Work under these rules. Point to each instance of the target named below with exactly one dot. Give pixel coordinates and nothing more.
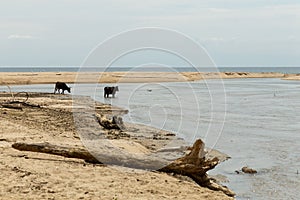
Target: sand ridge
(22, 78)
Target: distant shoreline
(26, 78)
(154, 68)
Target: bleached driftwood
(193, 165)
(68, 152)
(114, 156)
(116, 122)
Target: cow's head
(69, 89)
(116, 88)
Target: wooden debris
(116, 122)
(68, 152)
(193, 165)
(18, 105)
(10, 106)
(25, 104)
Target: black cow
(110, 90)
(61, 86)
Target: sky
(234, 32)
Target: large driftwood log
(109, 154)
(68, 152)
(193, 165)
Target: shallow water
(260, 130)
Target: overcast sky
(234, 32)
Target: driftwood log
(115, 122)
(68, 152)
(10, 106)
(193, 165)
(18, 105)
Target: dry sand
(295, 77)
(29, 175)
(20, 78)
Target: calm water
(291, 70)
(260, 130)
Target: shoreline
(39, 176)
(26, 78)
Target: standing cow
(61, 86)
(110, 90)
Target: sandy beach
(30, 175)
(149, 100)
(21, 78)
(295, 77)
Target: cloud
(20, 37)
